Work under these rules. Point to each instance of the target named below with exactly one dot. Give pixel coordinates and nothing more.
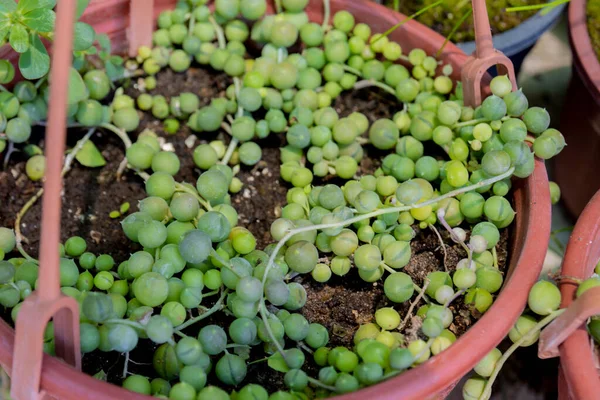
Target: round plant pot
(580, 378)
(577, 164)
(435, 378)
(517, 42)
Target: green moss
(443, 17)
(593, 20)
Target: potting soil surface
(341, 304)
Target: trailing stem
(544, 6)
(371, 82)
(66, 168)
(240, 112)
(487, 391)
(414, 304)
(326, 14)
(218, 306)
(388, 210)
(443, 246)
(219, 32)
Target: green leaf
(19, 38)
(104, 56)
(103, 41)
(40, 20)
(124, 207)
(7, 6)
(117, 60)
(26, 6)
(32, 150)
(81, 6)
(83, 37)
(113, 71)
(277, 363)
(91, 51)
(4, 33)
(35, 62)
(90, 156)
(77, 89)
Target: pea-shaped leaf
(90, 156)
(77, 89)
(277, 362)
(35, 62)
(83, 37)
(40, 20)
(26, 6)
(19, 38)
(8, 6)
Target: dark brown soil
(91, 194)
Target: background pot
(517, 42)
(577, 165)
(578, 368)
(436, 377)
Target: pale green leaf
(35, 62)
(277, 363)
(40, 20)
(113, 71)
(81, 6)
(7, 6)
(91, 51)
(32, 150)
(90, 156)
(26, 6)
(77, 89)
(83, 37)
(19, 38)
(3, 34)
(104, 42)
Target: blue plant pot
(517, 42)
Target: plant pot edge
(579, 378)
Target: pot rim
(529, 238)
(585, 59)
(522, 36)
(582, 253)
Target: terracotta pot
(578, 366)
(436, 377)
(577, 164)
